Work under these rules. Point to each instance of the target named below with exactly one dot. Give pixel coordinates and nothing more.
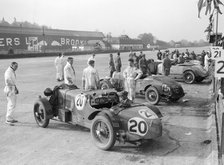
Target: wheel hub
(152, 96)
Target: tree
(209, 4)
(147, 38)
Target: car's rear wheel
(152, 95)
(189, 77)
(105, 84)
(103, 133)
(41, 113)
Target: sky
(166, 19)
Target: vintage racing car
(190, 72)
(102, 112)
(155, 88)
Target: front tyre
(103, 133)
(42, 109)
(152, 95)
(189, 77)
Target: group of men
(175, 57)
(90, 77)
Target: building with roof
(125, 43)
(47, 40)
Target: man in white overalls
(11, 91)
(131, 74)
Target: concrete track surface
(188, 128)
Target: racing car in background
(155, 88)
(190, 71)
(102, 112)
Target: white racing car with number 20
(102, 112)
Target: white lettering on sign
(9, 41)
(67, 41)
(2, 42)
(62, 41)
(137, 125)
(72, 42)
(16, 41)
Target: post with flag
(217, 52)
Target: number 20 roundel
(80, 101)
(137, 125)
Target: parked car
(102, 112)
(190, 72)
(155, 88)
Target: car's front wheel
(41, 110)
(152, 95)
(103, 133)
(189, 77)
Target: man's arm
(139, 72)
(97, 80)
(83, 80)
(9, 79)
(68, 75)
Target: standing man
(59, 67)
(206, 60)
(143, 66)
(111, 65)
(11, 91)
(90, 77)
(69, 72)
(131, 74)
(159, 55)
(91, 58)
(167, 65)
(118, 62)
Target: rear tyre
(103, 133)
(189, 77)
(42, 109)
(152, 95)
(104, 84)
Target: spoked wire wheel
(40, 114)
(103, 133)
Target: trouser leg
(60, 73)
(57, 73)
(131, 89)
(11, 105)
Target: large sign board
(36, 42)
(217, 54)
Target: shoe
(14, 121)
(9, 123)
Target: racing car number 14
(137, 125)
(80, 101)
